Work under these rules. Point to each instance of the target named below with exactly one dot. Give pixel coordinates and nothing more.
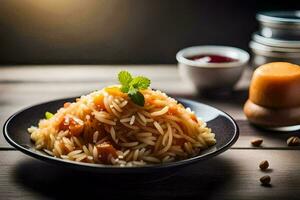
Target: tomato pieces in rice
(104, 150)
(73, 124)
(194, 118)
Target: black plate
(225, 128)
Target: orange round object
(276, 85)
(274, 95)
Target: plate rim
(179, 163)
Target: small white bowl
(212, 75)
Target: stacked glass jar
(278, 38)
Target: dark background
(122, 31)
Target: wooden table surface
(231, 175)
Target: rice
(158, 127)
(129, 144)
(144, 134)
(106, 127)
(103, 120)
(132, 119)
(142, 117)
(95, 136)
(160, 112)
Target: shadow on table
(201, 179)
(235, 97)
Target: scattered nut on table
(265, 180)
(263, 165)
(293, 141)
(257, 142)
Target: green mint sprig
(132, 86)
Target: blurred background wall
(122, 31)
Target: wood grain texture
(271, 139)
(232, 175)
(93, 73)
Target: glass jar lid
(276, 42)
(270, 51)
(284, 19)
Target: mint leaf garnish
(140, 82)
(138, 98)
(132, 86)
(125, 78)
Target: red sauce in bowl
(211, 58)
